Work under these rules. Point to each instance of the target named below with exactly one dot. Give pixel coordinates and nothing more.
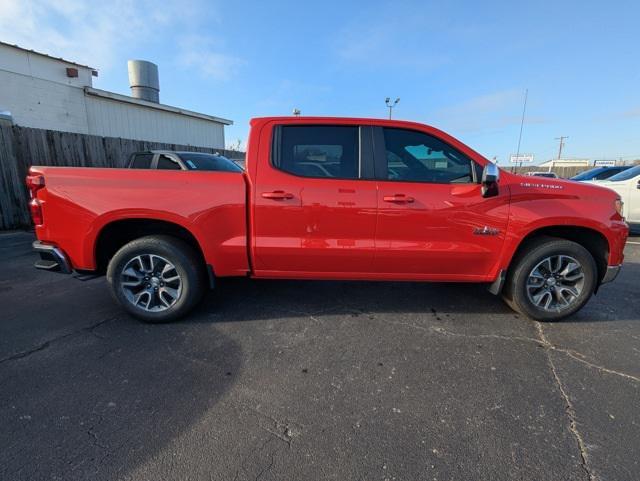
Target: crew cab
(331, 198)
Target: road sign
(521, 158)
(604, 163)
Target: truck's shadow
(247, 300)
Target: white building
(52, 93)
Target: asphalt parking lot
(279, 380)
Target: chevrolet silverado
(331, 198)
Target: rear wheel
(156, 278)
(551, 279)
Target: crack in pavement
(46, 344)
(285, 430)
(269, 466)
(91, 432)
(568, 352)
(542, 341)
(569, 409)
(242, 468)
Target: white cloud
(491, 111)
(205, 55)
(101, 34)
(80, 31)
(387, 44)
(631, 113)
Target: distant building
(565, 163)
(37, 90)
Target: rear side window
(166, 163)
(418, 157)
(141, 161)
(317, 151)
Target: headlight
(619, 206)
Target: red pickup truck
(331, 198)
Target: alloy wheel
(151, 282)
(555, 283)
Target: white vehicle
(551, 175)
(627, 185)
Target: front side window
(317, 151)
(418, 157)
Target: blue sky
(462, 66)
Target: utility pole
(561, 139)
(390, 105)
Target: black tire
(186, 264)
(515, 292)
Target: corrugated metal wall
(109, 118)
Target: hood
(548, 187)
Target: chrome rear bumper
(611, 273)
(52, 258)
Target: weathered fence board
(21, 147)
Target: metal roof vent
(143, 80)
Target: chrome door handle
(277, 195)
(398, 199)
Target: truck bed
(78, 202)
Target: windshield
(200, 161)
(626, 174)
(588, 174)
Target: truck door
(314, 208)
(433, 220)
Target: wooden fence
(21, 147)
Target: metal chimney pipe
(143, 80)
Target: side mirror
(490, 177)
(638, 186)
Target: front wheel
(552, 279)
(156, 278)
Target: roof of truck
(346, 120)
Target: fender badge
(486, 231)
(540, 186)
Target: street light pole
(391, 105)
